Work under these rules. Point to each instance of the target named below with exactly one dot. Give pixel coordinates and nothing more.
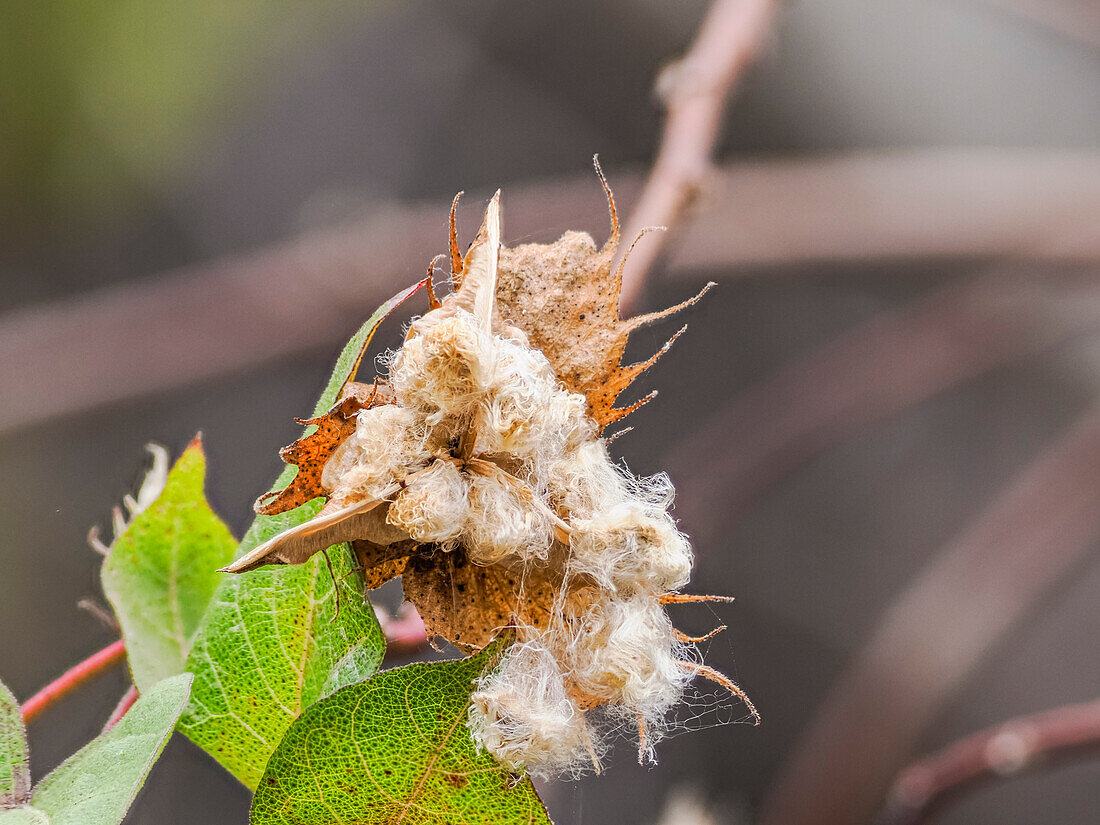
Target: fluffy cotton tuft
(387, 444)
(522, 714)
(632, 548)
(434, 505)
(585, 481)
(501, 525)
(445, 366)
(529, 414)
(624, 652)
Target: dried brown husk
(563, 298)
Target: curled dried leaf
(312, 451)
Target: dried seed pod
(477, 473)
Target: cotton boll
(584, 481)
(522, 714)
(433, 507)
(500, 524)
(625, 652)
(445, 366)
(527, 413)
(629, 548)
(388, 443)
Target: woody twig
(1041, 740)
(694, 91)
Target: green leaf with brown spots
(394, 749)
(24, 815)
(274, 640)
(161, 572)
(97, 784)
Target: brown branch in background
(894, 205)
(1008, 749)
(210, 320)
(936, 633)
(874, 370)
(694, 91)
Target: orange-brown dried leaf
(565, 297)
(468, 604)
(381, 562)
(312, 451)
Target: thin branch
(901, 204)
(210, 320)
(72, 679)
(935, 634)
(694, 91)
(124, 704)
(1006, 750)
(874, 370)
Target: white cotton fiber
(434, 505)
(522, 715)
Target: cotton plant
(475, 466)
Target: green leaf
(161, 573)
(15, 778)
(24, 816)
(271, 643)
(393, 749)
(97, 784)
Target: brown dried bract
(469, 605)
(313, 450)
(565, 297)
(381, 562)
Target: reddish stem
(1005, 750)
(124, 704)
(73, 678)
(404, 633)
(695, 92)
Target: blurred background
(881, 424)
